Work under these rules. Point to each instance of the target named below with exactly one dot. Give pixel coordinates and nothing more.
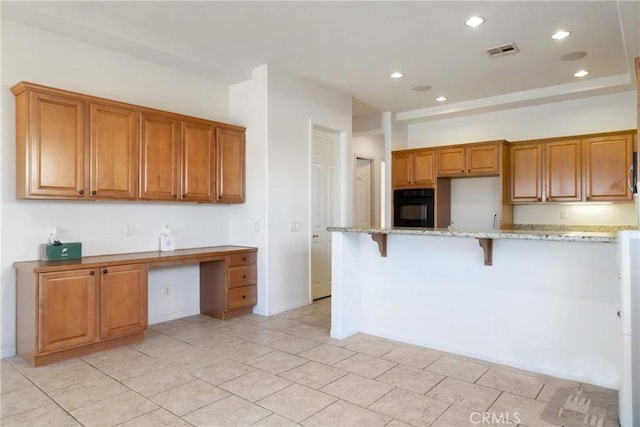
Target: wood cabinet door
(563, 171)
(607, 164)
(230, 165)
(57, 146)
(123, 300)
(159, 158)
(451, 161)
(423, 167)
(68, 310)
(197, 145)
(525, 173)
(113, 152)
(401, 170)
(483, 159)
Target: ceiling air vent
(505, 49)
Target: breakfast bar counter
(546, 302)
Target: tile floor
(281, 370)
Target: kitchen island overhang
(548, 304)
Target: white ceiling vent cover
(505, 49)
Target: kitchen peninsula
(548, 302)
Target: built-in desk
(69, 308)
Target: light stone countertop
(572, 236)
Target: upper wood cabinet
(525, 173)
(414, 168)
(471, 159)
(75, 146)
(563, 171)
(50, 146)
(230, 161)
(581, 168)
(113, 152)
(607, 167)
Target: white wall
(590, 115)
(40, 57)
(548, 307)
(372, 147)
(294, 105)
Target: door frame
(344, 193)
(372, 182)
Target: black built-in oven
(413, 208)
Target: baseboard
(172, 316)
(289, 307)
(7, 352)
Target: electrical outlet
(166, 290)
(563, 212)
(256, 227)
(129, 230)
(52, 230)
(295, 227)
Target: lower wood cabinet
(123, 300)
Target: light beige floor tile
(109, 357)
(132, 368)
(364, 365)
(83, 394)
(275, 420)
(513, 382)
(277, 362)
(326, 339)
(262, 336)
(26, 369)
(244, 351)
(12, 380)
(296, 313)
(221, 371)
(313, 374)
(195, 332)
(296, 402)
(343, 413)
(232, 411)
(188, 397)
(464, 394)
(255, 319)
(255, 385)
(326, 354)
(356, 389)
(316, 319)
(157, 344)
(172, 327)
(491, 364)
(158, 418)
(22, 400)
(188, 359)
(412, 379)
(372, 347)
(413, 356)
(53, 379)
(114, 410)
(551, 386)
(216, 342)
(158, 381)
(293, 345)
(409, 407)
(460, 417)
(306, 331)
(203, 320)
(49, 415)
(235, 329)
(519, 409)
(458, 368)
(279, 324)
(398, 423)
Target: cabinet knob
(244, 276)
(184, 196)
(244, 297)
(81, 192)
(175, 196)
(461, 170)
(469, 171)
(94, 192)
(244, 258)
(539, 199)
(91, 273)
(105, 271)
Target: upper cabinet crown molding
(76, 146)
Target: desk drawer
(242, 297)
(242, 276)
(243, 259)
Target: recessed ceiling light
(422, 88)
(441, 98)
(559, 35)
(396, 75)
(474, 21)
(581, 73)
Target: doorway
(364, 196)
(325, 149)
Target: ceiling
(355, 46)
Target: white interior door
(364, 193)
(324, 207)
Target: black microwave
(414, 208)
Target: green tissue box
(65, 251)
